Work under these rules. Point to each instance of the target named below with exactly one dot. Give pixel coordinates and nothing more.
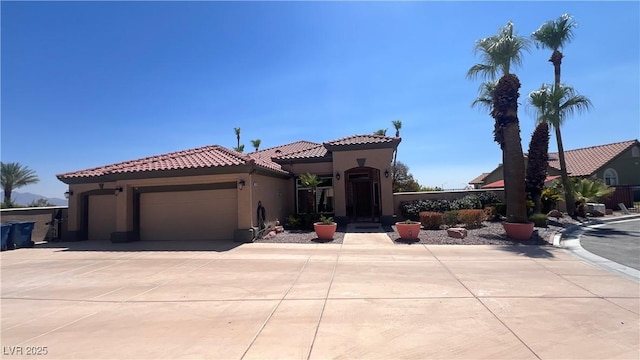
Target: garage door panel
(188, 215)
(102, 217)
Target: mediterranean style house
(212, 192)
(615, 164)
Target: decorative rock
(555, 213)
(458, 233)
(279, 229)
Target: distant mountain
(28, 198)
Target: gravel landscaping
(491, 233)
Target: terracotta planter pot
(408, 231)
(325, 232)
(518, 231)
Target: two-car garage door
(188, 215)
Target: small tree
(311, 181)
(404, 180)
(42, 202)
(381, 132)
(15, 176)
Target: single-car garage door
(102, 216)
(188, 215)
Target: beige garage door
(188, 215)
(102, 217)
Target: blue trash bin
(6, 229)
(21, 233)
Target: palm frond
(554, 34)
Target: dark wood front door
(362, 198)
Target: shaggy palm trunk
(556, 60)
(537, 164)
(507, 134)
(7, 195)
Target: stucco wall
(276, 196)
(627, 167)
(323, 168)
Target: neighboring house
(616, 164)
(213, 192)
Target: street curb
(569, 240)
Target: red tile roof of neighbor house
(316, 152)
(202, 157)
(361, 140)
(500, 183)
(586, 161)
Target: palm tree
(498, 53)
(538, 157)
(15, 176)
(256, 143)
(397, 124)
(554, 35)
(310, 181)
(381, 132)
(237, 131)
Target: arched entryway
(363, 194)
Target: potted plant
(408, 229)
(325, 228)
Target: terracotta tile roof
(362, 139)
(586, 161)
(319, 151)
(500, 183)
(479, 179)
(202, 157)
(283, 150)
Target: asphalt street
(617, 241)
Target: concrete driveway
(366, 300)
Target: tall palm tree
(538, 157)
(256, 143)
(14, 176)
(554, 35)
(397, 124)
(499, 52)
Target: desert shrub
(431, 220)
(309, 219)
(412, 209)
(466, 202)
(450, 217)
(471, 218)
(292, 222)
(501, 208)
(540, 220)
(488, 198)
(491, 213)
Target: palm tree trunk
(505, 112)
(7, 195)
(568, 194)
(556, 60)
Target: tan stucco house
(212, 192)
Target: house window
(610, 177)
(324, 196)
(635, 151)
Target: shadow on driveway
(94, 245)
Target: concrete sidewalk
(315, 301)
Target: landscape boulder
(555, 214)
(458, 233)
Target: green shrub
(540, 220)
(501, 208)
(450, 217)
(487, 198)
(466, 202)
(431, 220)
(293, 222)
(471, 218)
(412, 209)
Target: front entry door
(362, 199)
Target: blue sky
(86, 84)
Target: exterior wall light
(117, 190)
(386, 173)
(241, 184)
(338, 175)
(68, 194)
